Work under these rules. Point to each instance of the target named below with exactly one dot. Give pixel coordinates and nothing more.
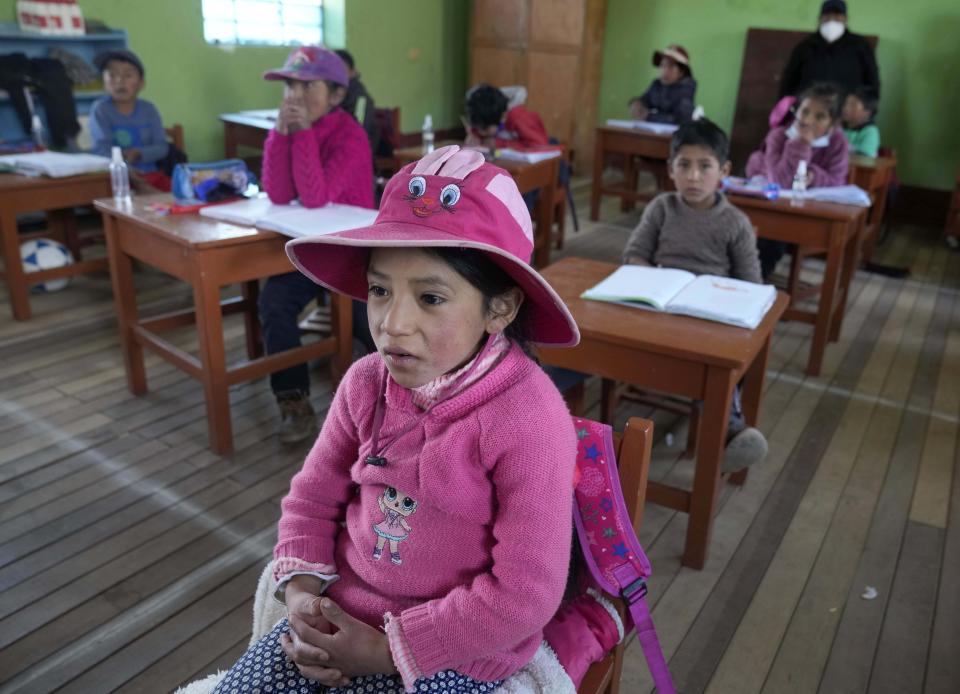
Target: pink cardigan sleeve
(781, 156)
(315, 506)
(277, 178)
(532, 535)
(831, 165)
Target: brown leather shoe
(298, 421)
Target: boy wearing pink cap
(433, 513)
(670, 97)
(317, 154)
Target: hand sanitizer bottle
(800, 184)
(119, 177)
(427, 133)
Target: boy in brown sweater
(698, 230)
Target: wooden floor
(129, 552)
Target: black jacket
(848, 62)
(669, 103)
(359, 104)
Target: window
(271, 22)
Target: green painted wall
(918, 55)
(412, 54)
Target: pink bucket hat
(309, 63)
(451, 198)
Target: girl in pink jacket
(816, 137)
(425, 543)
(316, 154)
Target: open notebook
(53, 164)
(720, 299)
(647, 126)
(291, 220)
(528, 156)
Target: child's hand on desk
(131, 155)
(638, 111)
(354, 649)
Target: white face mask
(832, 30)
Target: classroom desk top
(676, 355)
(815, 227)
(208, 255)
(253, 119)
(708, 342)
(57, 197)
(653, 149)
(189, 230)
(813, 209)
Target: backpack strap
(611, 549)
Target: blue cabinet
(12, 40)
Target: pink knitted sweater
(484, 552)
(778, 159)
(328, 162)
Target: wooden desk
(874, 176)
(57, 197)
(540, 176)
(208, 255)
(692, 358)
(244, 129)
(814, 227)
(652, 148)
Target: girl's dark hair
(485, 106)
(490, 279)
(827, 94)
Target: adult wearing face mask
(833, 54)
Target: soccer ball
(45, 254)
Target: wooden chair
(633, 462)
(175, 135)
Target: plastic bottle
(36, 131)
(119, 177)
(800, 183)
(427, 133)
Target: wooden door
(553, 48)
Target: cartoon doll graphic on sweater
(396, 507)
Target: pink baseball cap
(451, 198)
(309, 63)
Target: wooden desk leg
(13, 267)
(750, 397)
(706, 479)
(544, 230)
(598, 153)
(629, 182)
(341, 324)
(125, 300)
(828, 298)
(206, 299)
(251, 321)
(63, 223)
(851, 261)
(229, 140)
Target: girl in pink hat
(670, 97)
(316, 154)
(425, 543)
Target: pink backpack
(617, 563)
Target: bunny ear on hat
(450, 161)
